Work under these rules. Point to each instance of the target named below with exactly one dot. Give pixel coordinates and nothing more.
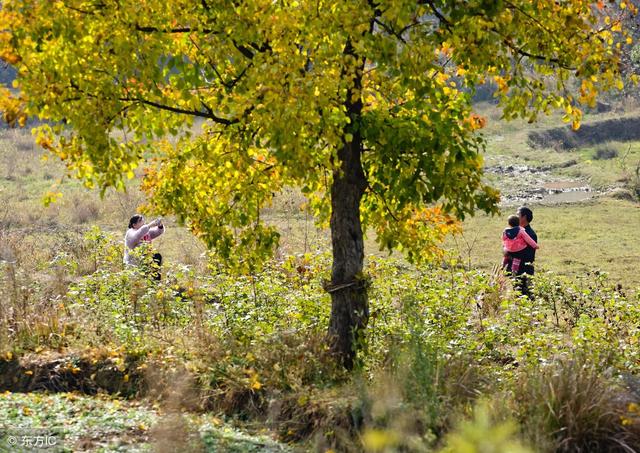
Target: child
(515, 239)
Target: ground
(67, 422)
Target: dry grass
(571, 405)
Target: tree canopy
(366, 105)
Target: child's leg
(515, 265)
(506, 261)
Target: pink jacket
(516, 240)
(134, 238)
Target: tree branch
(247, 52)
(150, 29)
(383, 199)
(389, 30)
(243, 50)
(443, 20)
(209, 114)
(524, 53)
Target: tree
(365, 105)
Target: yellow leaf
(379, 440)
(575, 125)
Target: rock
(602, 107)
(620, 193)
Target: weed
(574, 405)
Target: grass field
(450, 349)
(575, 239)
(73, 422)
(597, 234)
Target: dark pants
(523, 280)
(155, 267)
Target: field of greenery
(276, 130)
(453, 358)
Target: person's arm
(156, 231)
(133, 238)
(533, 244)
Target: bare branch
(150, 29)
(209, 114)
(390, 30)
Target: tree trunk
(349, 303)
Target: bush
(605, 153)
(484, 434)
(438, 340)
(574, 405)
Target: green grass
(75, 421)
(507, 144)
(574, 238)
(100, 423)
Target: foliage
(284, 82)
(438, 340)
(75, 420)
(481, 435)
(103, 423)
(574, 404)
(437, 313)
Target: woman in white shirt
(139, 233)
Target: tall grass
(575, 405)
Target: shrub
(574, 405)
(605, 153)
(484, 434)
(438, 340)
(84, 211)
